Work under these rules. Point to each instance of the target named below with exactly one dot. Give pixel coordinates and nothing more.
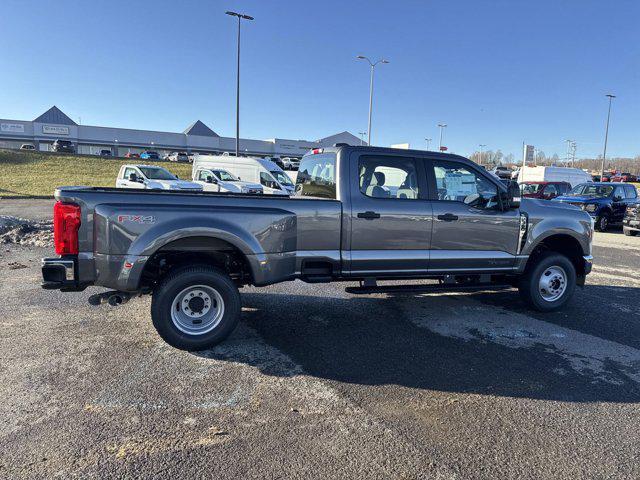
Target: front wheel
(549, 283)
(602, 222)
(195, 307)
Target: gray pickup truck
(359, 214)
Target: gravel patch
(25, 232)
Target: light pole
(373, 66)
(606, 134)
(362, 134)
(240, 17)
(482, 145)
(442, 127)
(428, 140)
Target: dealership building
(91, 140)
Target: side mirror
(133, 177)
(210, 179)
(512, 197)
(239, 178)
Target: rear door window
(631, 191)
(388, 177)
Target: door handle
(368, 215)
(448, 217)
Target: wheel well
(196, 250)
(563, 244)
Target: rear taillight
(66, 222)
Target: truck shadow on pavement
(452, 343)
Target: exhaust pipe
(112, 297)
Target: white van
(220, 180)
(273, 179)
(573, 176)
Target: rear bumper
(60, 274)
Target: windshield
(591, 190)
(282, 178)
(530, 188)
(225, 176)
(157, 173)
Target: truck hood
(239, 186)
(173, 185)
(528, 204)
(579, 198)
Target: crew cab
(359, 214)
(220, 180)
(152, 177)
(606, 202)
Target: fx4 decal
(136, 218)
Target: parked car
(131, 155)
(544, 190)
(27, 146)
(105, 152)
(273, 179)
(606, 178)
(192, 251)
(178, 157)
(624, 177)
(63, 146)
(152, 177)
(501, 171)
(631, 222)
(150, 155)
(605, 202)
(220, 180)
(290, 163)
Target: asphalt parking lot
(316, 383)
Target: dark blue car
(605, 202)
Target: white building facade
(198, 137)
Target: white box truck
(573, 176)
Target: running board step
(444, 287)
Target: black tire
(602, 222)
(630, 233)
(171, 287)
(529, 283)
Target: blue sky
(497, 72)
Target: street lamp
(373, 65)
(442, 127)
(606, 134)
(362, 134)
(240, 16)
(482, 145)
(428, 140)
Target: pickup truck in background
(359, 214)
(153, 178)
(605, 202)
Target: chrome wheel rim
(552, 283)
(197, 310)
(604, 223)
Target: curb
(27, 197)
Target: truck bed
(277, 234)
